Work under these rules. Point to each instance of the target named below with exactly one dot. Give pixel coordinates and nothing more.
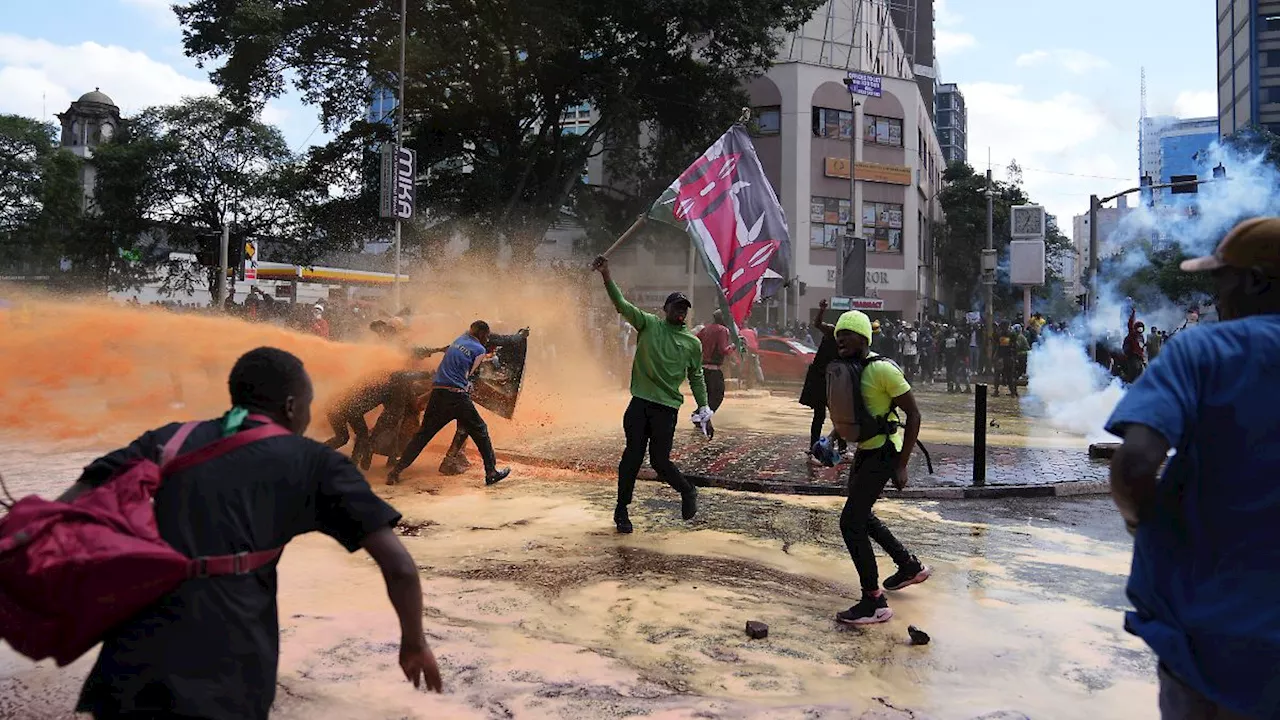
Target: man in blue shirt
(1206, 559)
(451, 400)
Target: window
(1271, 94)
(1273, 23)
(882, 130)
(1271, 58)
(832, 123)
(777, 346)
(882, 223)
(827, 219)
(768, 120)
(944, 119)
(1273, 128)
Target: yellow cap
(855, 321)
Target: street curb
(757, 485)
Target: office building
(953, 123)
(1248, 65)
(913, 19)
(1173, 147)
(382, 104)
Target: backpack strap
(241, 563)
(174, 446)
(269, 429)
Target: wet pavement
(538, 610)
(761, 443)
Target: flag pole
(635, 228)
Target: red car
(784, 359)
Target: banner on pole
(398, 174)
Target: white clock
(1027, 221)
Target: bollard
(979, 435)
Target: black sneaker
(689, 503)
(869, 611)
(622, 520)
(908, 575)
(497, 477)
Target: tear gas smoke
(90, 369)
(1077, 393)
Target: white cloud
(948, 42)
(1058, 140)
(36, 74)
(1077, 62)
(1192, 103)
(943, 16)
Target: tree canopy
(488, 85)
(959, 249)
(40, 195)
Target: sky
(1053, 85)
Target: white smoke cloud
(1077, 393)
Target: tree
(40, 195)
(488, 85)
(179, 173)
(959, 250)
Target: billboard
(398, 174)
(1026, 262)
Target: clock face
(107, 132)
(1027, 222)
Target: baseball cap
(677, 297)
(855, 321)
(1254, 243)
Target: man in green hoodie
(666, 353)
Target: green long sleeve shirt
(665, 355)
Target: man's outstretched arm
(632, 314)
(400, 573)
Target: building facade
(809, 126)
(913, 19)
(1170, 147)
(88, 122)
(953, 123)
(1075, 267)
(1248, 65)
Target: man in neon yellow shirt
(666, 353)
(879, 459)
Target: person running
(666, 354)
(210, 649)
(1204, 578)
(880, 459)
(814, 393)
(1006, 369)
(716, 349)
(451, 401)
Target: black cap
(677, 297)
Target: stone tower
(89, 122)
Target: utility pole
(223, 249)
(1092, 275)
(989, 278)
(400, 110)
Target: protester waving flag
(732, 215)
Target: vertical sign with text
(398, 174)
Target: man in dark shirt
(210, 649)
(351, 408)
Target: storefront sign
(856, 303)
(398, 175)
(868, 172)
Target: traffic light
(804, 287)
(1184, 184)
(1219, 172)
(1080, 299)
(1144, 191)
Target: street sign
(860, 83)
(856, 303)
(398, 176)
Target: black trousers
(650, 426)
(1006, 374)
(715, 388)
(444, 407)
(859, 526)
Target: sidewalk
(769, 462)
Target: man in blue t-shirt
(1206, 559)
(451, 400)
